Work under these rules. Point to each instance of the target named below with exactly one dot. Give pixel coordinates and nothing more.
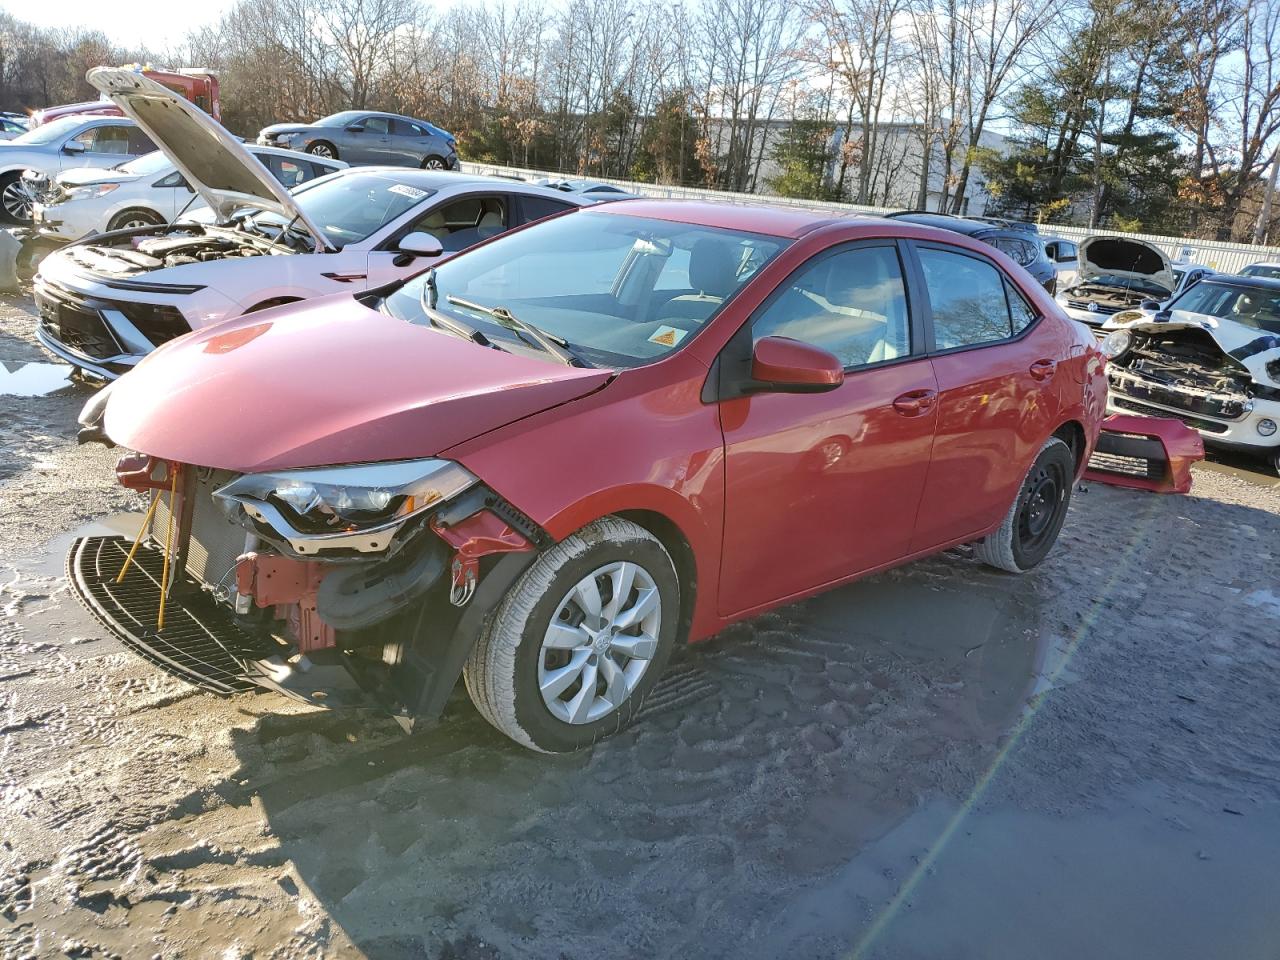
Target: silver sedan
(363, 137)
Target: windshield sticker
(413, 193)
(666, 336)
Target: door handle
(1043, 369)
(915, 403)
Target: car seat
(713, 274)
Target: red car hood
(326, 383)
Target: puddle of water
(53, 562)
(1241, 466)
(20, 379)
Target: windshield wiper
(555, 346)
(438, 319)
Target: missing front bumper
(200, 643)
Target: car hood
(78, 176)
(217, 166)
(328, 382)
(283, 128)
(1124, 257)
(1257, 350)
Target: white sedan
(146, 192)
(105, 302)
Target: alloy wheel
(433, 163)
(17, 200)
(601, 639)
(322, 150)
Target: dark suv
(1022, 247)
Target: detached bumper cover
(1149, 453)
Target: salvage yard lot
(940, 761)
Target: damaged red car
(543, 464)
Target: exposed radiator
(216, 542)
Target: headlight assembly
(358, 507)
(90, 191)
(1116, 343)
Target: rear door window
(968, 299)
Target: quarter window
(968, 299)
(852, 303)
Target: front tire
(15, 199)
(434, 163)
(323, 148)
(131, 219)
(1033, 522)
(579, 641)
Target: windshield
(617, 291)
(147, 164)
(49, 132)
(1129, 283)
(338, 119)
(1269, 270)
(350, 208)
(1256, 307)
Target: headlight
(90, 191)
(1116, 343)
(357, 507)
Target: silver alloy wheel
(322, 150)
(433, 163)
(135, 222)
(601, 639)
(17, 199)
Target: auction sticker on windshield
(667, 336)
(413, 193)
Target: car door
(457, 222)
(997, 396)
(367, 140)
(822, 486)
(103, 145)
(410, 143)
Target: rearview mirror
(782, 365)
(420, 244)
(73, 146)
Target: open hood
(327, 382)
(1257, 350)
(217, 166)
(1127, 258)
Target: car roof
(446, 179)
(752, 217)
(971, 228)
(1235, 280)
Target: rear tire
(555, 676)
(323, 148)
(129, 219)
(1031, 526)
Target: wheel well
(273, 302)
(673, 540)
(147, 210)
(1072, 434)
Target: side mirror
(1149, 305)
(420, 244)
(73, 146)
(782, 365)
(354, 128)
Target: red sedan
(547, 461)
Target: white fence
(1224, 257)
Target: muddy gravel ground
(940, 761)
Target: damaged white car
(107, 301)
(1115, 274)
(1211, 359)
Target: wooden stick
(168, 548)
(146, 522)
